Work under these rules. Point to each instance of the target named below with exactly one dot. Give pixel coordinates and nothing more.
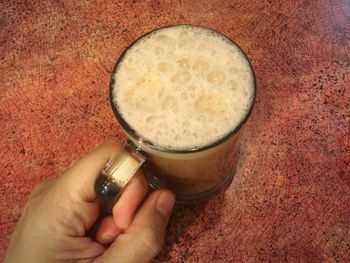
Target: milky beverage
(185, 90)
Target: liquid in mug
(184, 88)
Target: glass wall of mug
(193, 173)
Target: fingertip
(95, 250)
(107, 231)
(165, 203)
(122, 215)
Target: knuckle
(110, 143)
(140, 179)
(153, 239)
(109, 146)
(143, 179)
(38, 188)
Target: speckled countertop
(290, 198)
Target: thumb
(142, 241)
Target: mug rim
(144, 141)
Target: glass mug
(193, 174)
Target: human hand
(55, 221)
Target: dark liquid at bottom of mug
(191, 198)
(204, 196)
(196, 179)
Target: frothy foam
(183, 87)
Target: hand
(54, 223)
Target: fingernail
(165, 203)
(108, 239)
(122, 218)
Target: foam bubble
(163, 67)
(181, 77)
(233, 85)
(159, 51)
(168, 103)
(184, 63)
(183, 87)
(216, 77)
(186, 42)
(184, 96)
(148, 119)
(162, 38)
(210, 104)
(201, 65)
(202, 46)
(232, 70)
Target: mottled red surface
(290, 198)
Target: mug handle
(117, 173)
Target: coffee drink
(185, 91)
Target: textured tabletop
(290, 198)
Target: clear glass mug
(193, 175)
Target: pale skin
(59, 221)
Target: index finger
(79, 180)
